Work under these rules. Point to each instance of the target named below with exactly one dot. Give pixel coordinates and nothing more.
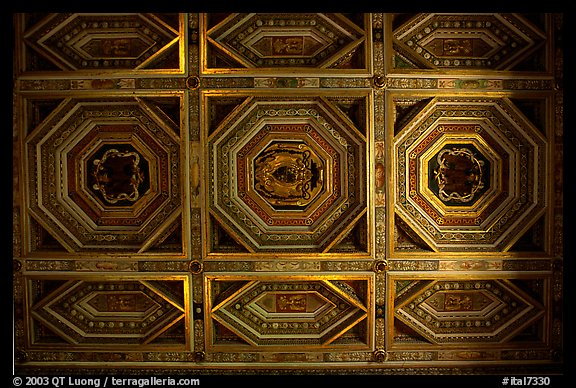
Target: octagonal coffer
(117, 163)
(119, 175)
(462, 172)
(290, 174)
(285, 171)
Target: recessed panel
(278, 312)
(462, 167)
(450, 311)
(83, 313)
(118, 171)
(465, 41)
(299, 41)
(105, 42)
(289, 174)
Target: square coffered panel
(289, 172)
(469, 172)
(105, 174)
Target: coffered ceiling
(263, 193)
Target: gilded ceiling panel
(299, 41)
(280, 313)
(469, 173)
(105, 174)
(106, 42)
(451, 311)
(288, 172)
(467, 41)
(116, 314)
(296, 193)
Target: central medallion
(118, 175)
(288, 175)
(460, 174)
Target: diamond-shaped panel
(280, 305)
(125, 303)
